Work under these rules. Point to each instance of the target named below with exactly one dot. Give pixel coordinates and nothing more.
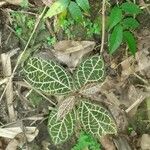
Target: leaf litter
(123, 93)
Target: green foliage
(86, 141)
(129, 39)
(57, 7)
(130, 8)
(75, 11)
(121, 23)
(115, 17)
(49, 77)
(92, 27)
(89, 71)
(115, 38)
(72, 7)
(61, 130)
(84, 4)
(23, 24)
(130, 23)
(51, 40)
(34, 98)
(95, 119)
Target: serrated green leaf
(130, 8)
(115, 17)
(96, 119)
(84, 4)
(75, 11)
(130, 40)
(89, 71)
(57, 7)
(130, 23)
(48, 76)
(115, 38)
(61, 130)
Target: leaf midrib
(51, 77)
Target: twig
(6, 64)
(21, 55)
(140, 78)
(136, 103)
(145, 6)
(3, 81)
(31, 87)
(103, 26)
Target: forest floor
(125, 91)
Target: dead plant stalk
(103, 26)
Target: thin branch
(136, 103)
(103, 26)
(21, 55)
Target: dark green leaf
(75, 11)
(115, 38)
(89, 71)
(130, 23)
(95, 119)
(84, 4)
(130, 40)
(115, 17)
(56, 8)
(61, 130)
(130, 8)
(48, 76)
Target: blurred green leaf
(84, 4)
(57, 7)
(130, 8)
(130, 23)
(115, 38)
(24, 3)
(75, 11)
(128, 37)
(115, 17)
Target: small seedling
(86, 141)
(75, 109)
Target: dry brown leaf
(18, 141)
(145, 142)
(65, 107)
(71, 52)
(13, 2)
(11, 133)
(47, 2)
(127, 68)
(107, 143)
(142, 58)
(122, 143)
(135, 97)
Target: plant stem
(103, 26)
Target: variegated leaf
(89, 71)
(61, 130)
(65, 107)
(48, 76)
(96, 119)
